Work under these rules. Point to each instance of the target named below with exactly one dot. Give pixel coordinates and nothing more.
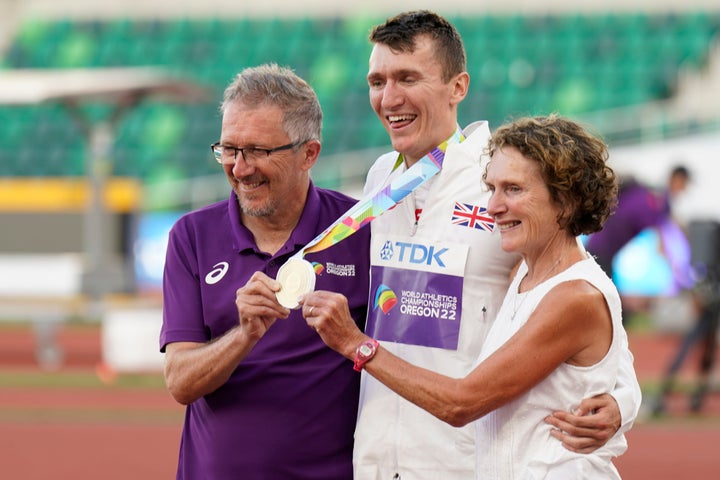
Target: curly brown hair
(573, 163)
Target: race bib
(416, 291)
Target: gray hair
(270, 84)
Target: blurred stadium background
(644, 74)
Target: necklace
(524, 295)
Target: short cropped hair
(270, 84)
(573, 164)
(680, 171)
(401, 32)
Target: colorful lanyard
(376, 204)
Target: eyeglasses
(226, 154)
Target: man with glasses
(265, 397)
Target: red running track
(51, 433)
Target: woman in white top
(558, 335)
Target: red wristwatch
(364, 353)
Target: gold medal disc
(296, 277)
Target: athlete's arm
(599, 418)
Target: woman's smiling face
(521, 204)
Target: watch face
(365, 350)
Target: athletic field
(83, 422)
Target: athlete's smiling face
(265, 184)
(417, 107)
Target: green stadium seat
(518, 64)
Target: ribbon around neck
(375, 204)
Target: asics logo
(217, 273)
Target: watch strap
(364, 353)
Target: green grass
(78, 380)
(91, 416)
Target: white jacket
(392, 435)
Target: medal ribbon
(376, 204)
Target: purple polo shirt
(289, 409)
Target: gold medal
(296, 277)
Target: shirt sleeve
(182, 301)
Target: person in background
(678, 182)
(558, 336)
(639, 207)
(417, 79)
(266, 399)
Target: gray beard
(266, 211)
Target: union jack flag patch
(472, 216)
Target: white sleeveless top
(514, 442)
